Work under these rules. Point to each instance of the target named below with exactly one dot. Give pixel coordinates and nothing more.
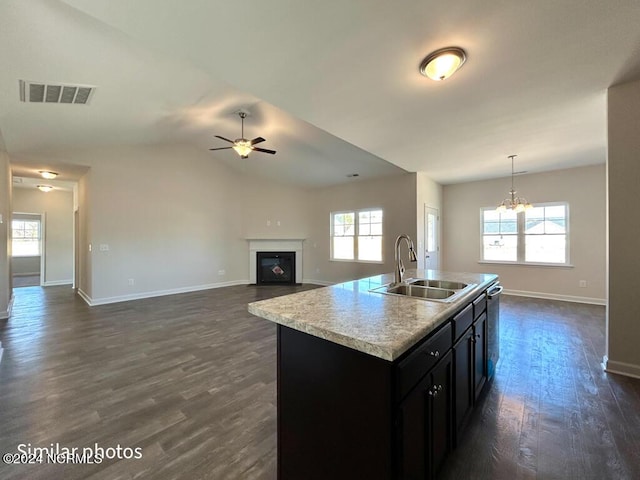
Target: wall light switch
(278, 223)
(268, 223)
(104, 247)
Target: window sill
(25, 256)
(374, 262)
(527, 264)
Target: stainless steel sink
(413, 290)
(435, 290)
(438, 284)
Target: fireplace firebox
(276, 268)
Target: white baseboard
(317, 282)
(84, 296)
(621, 368)
(158, 293)
(7, 313)
(553, 296)
(52, 283)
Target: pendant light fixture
(512, 202)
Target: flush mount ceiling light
(519, 204)
(45, 188)
(442, 63)
(48, 175)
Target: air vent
(42, 93)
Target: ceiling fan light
(443, 63)
(45, 188)
(242, 148)
(502, 207)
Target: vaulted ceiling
(333, 86)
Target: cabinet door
(463, 368)
(480, 354)
(441, 413)
(425, 424)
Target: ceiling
(335, 89)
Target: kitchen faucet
(399, 271)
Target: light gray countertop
(384, 326)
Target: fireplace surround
(274, 245)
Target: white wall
(272, 210)
(583, 188)
(169, 217)
(623, 169)
(429, 193)
(5, 243)
(397, 198)
(57, 206)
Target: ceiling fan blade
(257, 140)
(225, 139)
(221, 148)
(264, 150)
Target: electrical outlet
(583, 284)
(278, 223)
(131, 282)
(268, 223)
(221, 272)
(104, 247)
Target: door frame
(431, 210)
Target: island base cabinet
(425, 424)
(334, 411)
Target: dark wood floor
(191, 379)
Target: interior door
(431, 235)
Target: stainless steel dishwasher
(493, 328)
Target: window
(537, 235)
(25, 238)
(357, 235)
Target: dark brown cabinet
(425, 424)
(464, 367)
(480, 354)
(343, 414)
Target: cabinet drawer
(462, 321)
(414, 367)
(479, 305)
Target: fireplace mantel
(274, 245)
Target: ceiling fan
(242, 146)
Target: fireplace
(275, 268)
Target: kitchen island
(372, 385)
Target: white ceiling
(333, 86)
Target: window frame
(38, 239)
(356, 235)
(521, 238)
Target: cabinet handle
(433, 391)
(434, 354)
(478, 336)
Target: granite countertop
(384, 326)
